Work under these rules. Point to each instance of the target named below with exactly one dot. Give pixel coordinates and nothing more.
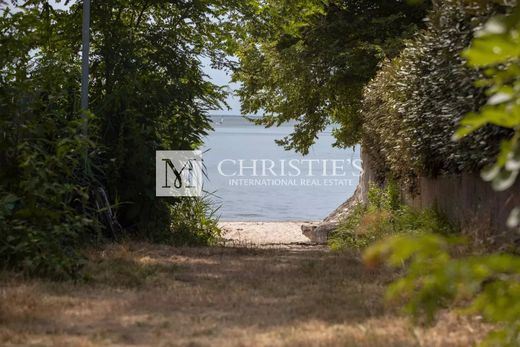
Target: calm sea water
(283, 185)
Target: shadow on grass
(150, 294)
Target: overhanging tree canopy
(309, 60)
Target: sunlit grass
(142, 294)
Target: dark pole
(84, 61)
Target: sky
(222, 78)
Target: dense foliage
(309, 60)
(412, 107)
(497, 50)
(487, 285)
(148, 92)
(44, 173)
(436, 274)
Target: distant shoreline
(231, 116)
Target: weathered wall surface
(464, 199)
(467, 199)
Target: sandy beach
(264, 233)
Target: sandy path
(138, 294)
(264, 233)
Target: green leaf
(504, 180)
(513, 220)
(492, 49)
(489, 173)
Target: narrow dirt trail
(148, 295)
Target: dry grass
(148, 295)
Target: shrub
(45, 170)
(193, 223)
(412, 107)
(384, 216)
(434, 279)
(496, 49)
(44, 211)
(148, 92)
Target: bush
(193, 223)
(148, 92)
(434, 279)
(381, 217)
(45, 212)
(412, 107)
(45, 171)
(436, 275)
(496, 50)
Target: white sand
(264, 233)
